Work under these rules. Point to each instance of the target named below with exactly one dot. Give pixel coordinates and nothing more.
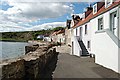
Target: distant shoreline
(14, 40)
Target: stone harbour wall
(30, 48)
(30, 66)
(13, 70)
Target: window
(85, 29)
(88, 44)
(114, 23)
(108, 3)
(76, 31)
(95, 9)
(100, 24)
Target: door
(80, 33)
(114, 23)
(72, 48)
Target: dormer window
(94, 8)
(108, 3)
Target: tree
(58, 28)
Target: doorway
(114, 23)
(72, 48)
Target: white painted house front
(99, 32)
(58, 36)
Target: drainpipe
(119, 22)
(118, 37)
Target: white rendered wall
(72, 40)
(119, 60)
(119, 22)
(119, 39)
(68, 36)
(106, 51)
(61, 37)
(76, 47)
(104, 48)
(86, 37)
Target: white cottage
(58, 36)
(98, 33)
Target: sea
(10, 50)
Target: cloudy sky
(21, 15)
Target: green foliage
(58, 28)
(27, 35)
(22, 36)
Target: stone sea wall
(30, 66)
(31, 48)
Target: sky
(21, 15)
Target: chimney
(73, 16)
(89, 8)
(68, 24)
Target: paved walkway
(75, 67)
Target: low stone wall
(13, 70)
(31, 48)
(29, 67)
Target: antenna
(89, 3)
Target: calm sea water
(12, 49)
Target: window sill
(99, 31)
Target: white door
(114, 23)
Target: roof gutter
(99, 14)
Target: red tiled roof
(58, 32)
(91, 15)
(53, 33)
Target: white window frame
(108, 3)
(111, 23)
(94, 8)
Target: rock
(31, 48)
(29, 67)
(13, 70)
